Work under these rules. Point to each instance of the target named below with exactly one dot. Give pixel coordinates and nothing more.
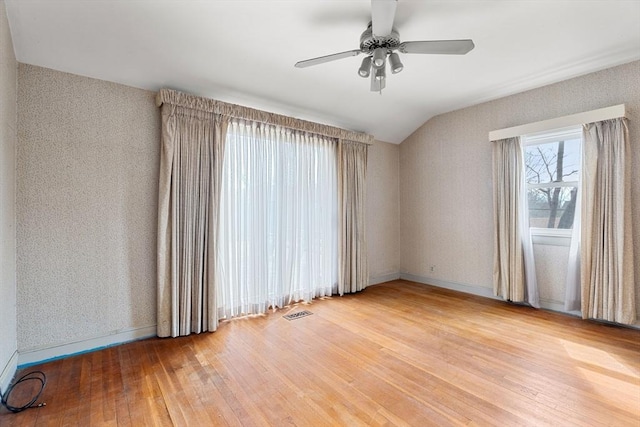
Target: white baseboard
(550, 305)
(384, 278)
(482, 292)
(558, 306)
(9, 370)
(44, 354)
(454, 286)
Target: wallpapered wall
(88, 159)
(446, 184)
(8, 134)
(383, 212)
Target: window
(552, 162)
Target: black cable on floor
(31, 376)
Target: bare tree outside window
(552, 178)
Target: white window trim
(553, 184)
(551, 236)
(552, 135)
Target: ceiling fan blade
(439, 47)
(327, 58)
(383, 13)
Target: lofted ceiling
(243, 51)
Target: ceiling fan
(380, 41)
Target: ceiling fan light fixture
(380, 73)
(395, 63)
(365, 67)
(379, 56)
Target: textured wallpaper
(87, 171)
(8, 82)
(383, 212)
(551, 272)
(446, 183)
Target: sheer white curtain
(278, 238)
(573, 292)
(514, 276)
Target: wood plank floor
(399, 353)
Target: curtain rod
(578, 119)
(174, 97)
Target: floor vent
(299, 314)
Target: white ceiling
(243, 51)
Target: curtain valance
(170, 96)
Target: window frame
(543, 235)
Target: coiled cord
(31, 376)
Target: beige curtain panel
(189, 193)
(352, 245)
(508, 265)
(606, 252)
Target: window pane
(557, 161)
(552, 207)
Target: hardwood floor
(399, 353)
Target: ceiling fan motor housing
(370, 42)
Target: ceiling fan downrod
(379, 51)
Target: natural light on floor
(616, 384)
(594, 356)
